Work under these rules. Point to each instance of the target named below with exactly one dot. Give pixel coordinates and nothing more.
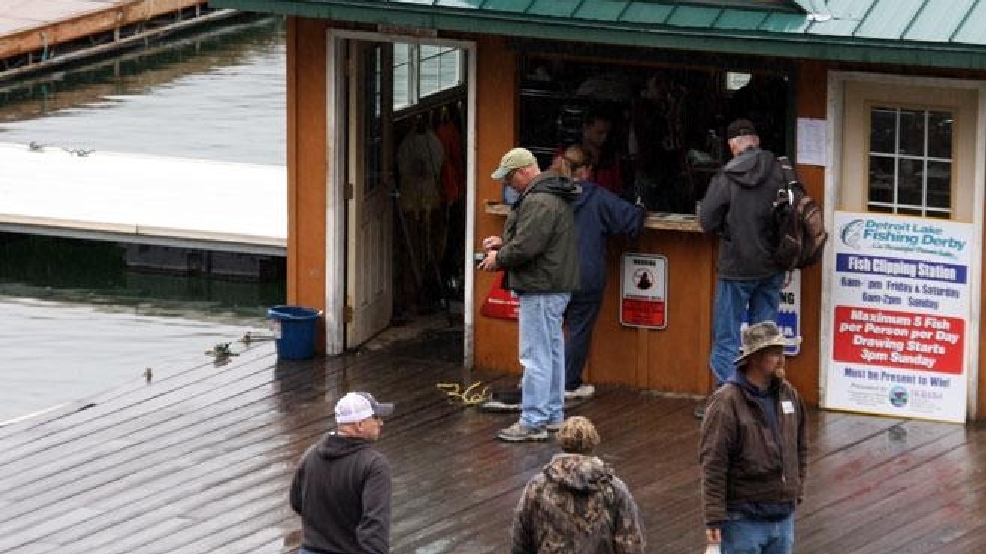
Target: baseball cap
(357, 406)
(739, 128)
(516, 158)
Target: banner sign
(900, 311)
(788, 312)
(643, 293)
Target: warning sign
(643, 293)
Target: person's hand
(713, 535)
(492, 243)
(489, 262)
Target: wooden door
(369, 242)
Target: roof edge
(833, 48)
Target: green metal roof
(934, 33)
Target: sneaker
(584, 391)
(553, 427)
(520, 433)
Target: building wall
(307, 165)
(670, 360)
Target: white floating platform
(144, 199)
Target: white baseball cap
(357, 406)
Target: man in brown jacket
(754, 451)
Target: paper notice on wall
(812, 138)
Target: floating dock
(36, 35)
(131, 198)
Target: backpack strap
(790, 178)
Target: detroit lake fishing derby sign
(900, 312)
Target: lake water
(73, 320)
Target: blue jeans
(542, 353)
(743, 536)
(581, 316)
(732, 297)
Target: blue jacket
(598, 214)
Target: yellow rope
(471, 396)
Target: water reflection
(74, 320)
(217, 96)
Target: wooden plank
(208, 467)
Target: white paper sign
(812, 149)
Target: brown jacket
(741, 460)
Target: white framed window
(421, 70)
(910, 161)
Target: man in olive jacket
(539, 252)
(754, 451)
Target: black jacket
(341, 490)
(739, 206)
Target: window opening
(910, 161)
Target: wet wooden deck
(199, 461)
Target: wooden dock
(39, 34)
(199, 461)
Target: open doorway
(403, 124)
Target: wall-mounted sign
(789, 311)
(900, 311)
(644, 291)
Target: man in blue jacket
(598, 214)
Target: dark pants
(580, 316)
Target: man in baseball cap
(342, 486)
(514, 159)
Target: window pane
(881, 209)
(910, 189)
(401, 98)
(883, 122)
(909, 211)
(939, 185)
(940, 135)
(939, 215)
(449, 69)
(912, 133)
(430, 71)
(881, 179)
(401, 52)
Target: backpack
(799, 227)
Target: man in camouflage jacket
(576, 505)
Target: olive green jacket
(540, 251)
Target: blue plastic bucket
(294, 331)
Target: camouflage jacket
(575, 505)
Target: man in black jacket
(739, 208)
(342, 486)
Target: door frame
(837, 81)
(335, 179)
